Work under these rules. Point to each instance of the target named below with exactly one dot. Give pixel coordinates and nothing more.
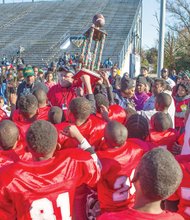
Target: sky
(149, 23)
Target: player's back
(45, 189)
(115, 190)
(131, 214)
(92, 129)
(183, 192)
(164, 139)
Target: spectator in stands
(157, 177)
(115, 79)
(3, 113)
(40, 76)
(140, 95)
(164, 74)
(182, 100)
(108, 63)
(149, 106)
(29, 84)
(49, 79)
(144, 73)
(35, 69)
(20, 77)
(124, 96)
(173, 75)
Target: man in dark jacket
(29, 85)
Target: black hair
(160, 81)
(130, 111)
(159, 174)
(101, 100)
(41, 96)
(137, 126)
(42, 137)
(56, 115)
(9, 134)
(80, 108)
(127, 83)
(163, 101)
(116, 133)
(28, 104)
(186, 86)
(48, 73)
(161, 121)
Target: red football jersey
(145, 145)
(164, 139)
(43, 113)
(183, 192)
(115, 190)
(22, 124)
(13, 155)
(117, 113)
(45, 189)
(92, 129)
(131, 214)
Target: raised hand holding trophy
(89, 61)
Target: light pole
(161, 37)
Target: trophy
(90, 60)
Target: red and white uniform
(181, 107)
(45, 189)
(115, 190)
(132, 214)
(43, 113)
(92, 129)
(116, 112)
(164, 139)
(183, 192)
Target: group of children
(84, 155)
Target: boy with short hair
(12, 148)
(43, 108)
(119, 160)
(114, 112)
(90, 126)
(45, 187)
(162, 134)
(25, 114)
(156, 178)
(124, 96)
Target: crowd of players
(107, 149)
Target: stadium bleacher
(41, 27)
